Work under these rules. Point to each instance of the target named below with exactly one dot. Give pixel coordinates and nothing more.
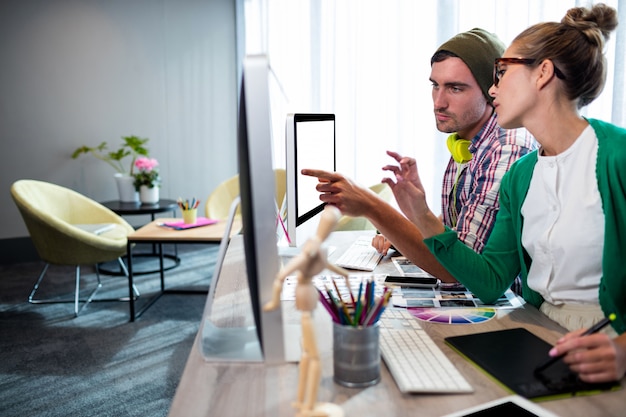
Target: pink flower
(146, 174)
(146, 164)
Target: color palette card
(459, 297)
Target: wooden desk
(153, 233)
(227, 389)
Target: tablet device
(511, 406)
(510, 356)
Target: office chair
(58, 220)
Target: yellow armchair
(57, 219)
(218, 204)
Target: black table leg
(131, 294)
(161, 267)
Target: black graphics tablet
(511, 356)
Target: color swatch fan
(453, 315)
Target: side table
(135, 209)
(155, 234)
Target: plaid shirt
(470, 204)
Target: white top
(564, 224)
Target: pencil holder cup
(190, 216)
(356, 355)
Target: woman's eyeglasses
(498, 72)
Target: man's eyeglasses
(498, 72)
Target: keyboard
(414, 360)
(360, 255)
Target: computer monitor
(309, 143)
(269, 338)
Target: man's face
(458, 101)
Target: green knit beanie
(478, 49)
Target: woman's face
(514, 95)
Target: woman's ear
(545, 73)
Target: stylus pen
(593, 329)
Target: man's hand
(407, 168)
(409, 193)
(381, 244)
(407, 187)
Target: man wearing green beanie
(481, 153)
(478, 49)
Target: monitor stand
(232, 344)
(240, 344)
(288, 251)
(303, 232)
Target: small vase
(126, 188)
(149, 195)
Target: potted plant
(147, 179)
(132, 146)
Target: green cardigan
(489, 275)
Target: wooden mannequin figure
(310, 262)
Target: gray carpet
(98, 364)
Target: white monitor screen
(310, 143)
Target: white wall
(77, 72)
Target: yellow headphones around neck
(459, 148)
